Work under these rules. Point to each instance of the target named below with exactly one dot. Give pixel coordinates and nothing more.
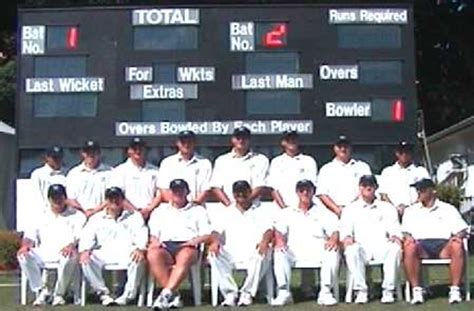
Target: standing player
(338, 180)
(241, 163)
(186, 164)
(289, 168)
(396, 179)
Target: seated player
(52, 238)
(114, 236)
(370, 230)
(307, 232)
(433, 229)
(242, 234)
(177, 229)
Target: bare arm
(330, 204)
(221, 196)
(278, 199)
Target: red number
(398, 110)
(72, 38)
(275, 37)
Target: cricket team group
(159, 221)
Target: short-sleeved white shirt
(169, 223)
(440, 221)
(138, 183)
(52, 232)
(370, 224)
(395, 182)
(42, 178)
(114, 236)
(340, 181)
(285, 171)
(87, 185)
(230, 167)
(197, 172)
(306, 230)
(243, 230)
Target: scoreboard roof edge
(204, 4)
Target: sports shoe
(283, 298)
(123, 299)
(245, 299)
(42, 297)
(454, 295)
(106, 300)
(387, 296)
(58, 301)
(176, 301)
(361, 297)
(229, 300)
(326, 299)
(163, 300)
(417, 295)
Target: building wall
(7, 180)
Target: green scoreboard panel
(322, 69)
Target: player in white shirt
(186, 164)
(433, 229)
(370, 230)
(138, 179)
(114, 236)
(87, 182)
(241, 163)
(177, 229)
(308, 232)
(49, 174)
(338, 180)
(396, 179)
(288, 168)
(52, 237)
(242, 234)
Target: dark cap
(54, 152)
(114, 192)
(91, 145)
(136, 143)
(305, 184)
(423, 184)
(186, 135)
(289, 135)
(342, 140)
(404, 146)
(241, 186)
(368, 180)
(242, 131)
(56, 191)
(179, 184)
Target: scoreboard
(323, 69)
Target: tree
(7, 92)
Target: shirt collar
(51, 171)
(181, 209)
(340, 163)
(122, 216)
(247, 156)
(193, 159)
(99, 168)
(435, 206)
(409, 167)
(297, 157)
(252, 207)
(310, 210)
(129, 162)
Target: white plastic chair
(302, 264)
(116, 267)
(436, 262)
(194, 279)
(241, 266)
(48, 266)
(350, 282)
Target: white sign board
(368, 16)
(64, 85)
(242, 36)
(272, 81)
(338, 72)
(196, 74)
(33, 40)
(348, 110)
(163, 91)
(259, 127)
(146, 17)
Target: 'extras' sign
(163, 91)
(263, 127)
(368, 16)
(145, 17)
(64, 85)
(272, 81)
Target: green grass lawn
(9, 296)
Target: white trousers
(34, 261)
(284, 260)
(256, 266)
(99, 258)
(389, 254)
